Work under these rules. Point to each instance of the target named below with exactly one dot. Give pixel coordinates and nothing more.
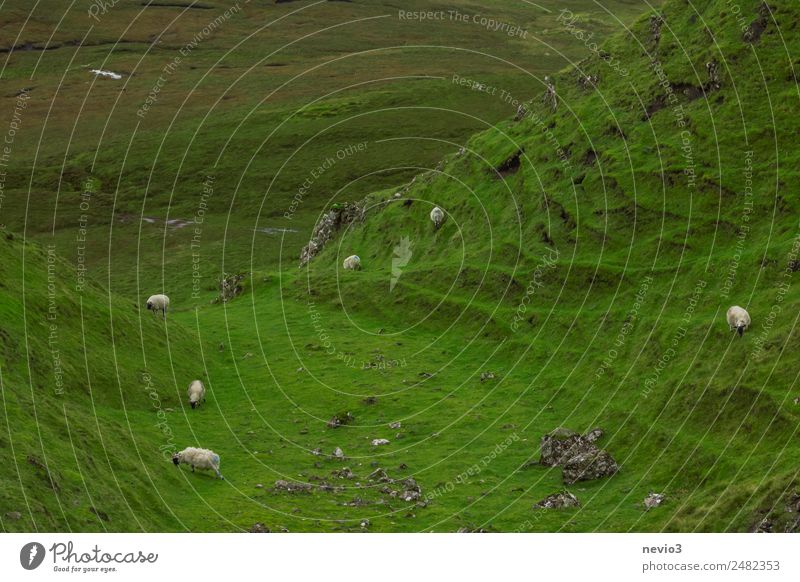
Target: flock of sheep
(738, 320)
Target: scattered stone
(343, 473)
(487, 376)
(782, 517)
(247, 355)
(394, 425)
(364, 523)
(340, 419)
(380, 476)
(558, 500)
(301, 369)
(316, 451)
(221, 347)
(379, 442)
(259, 486)
(411, 491)
(14, 515)
(589, 465)
(370, 400)
(259, 527)
(292, 486)
(653, 500)
(338, 453)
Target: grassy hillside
(581, 279)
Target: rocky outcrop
(589, 465)
(339, 216)
(230, 287)
(578, 455)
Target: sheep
(352, 263)
(157, 303)
(196, 393)
(738, 319)
(198, 458)
(437, 216)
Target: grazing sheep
(437, 216)
(738, 319)
(158, 303)
(352, 263)
(196, 393)
(198, 458)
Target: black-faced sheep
(198, 459)
(437, 217)
(156, 303)
(196, 393)
(352, 263)
(738, 319)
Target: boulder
(259, 527)
(589, 465)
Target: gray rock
(589, 465)
(292, 486)
(14, 515)
(558, 500)
(653, 500)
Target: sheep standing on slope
(738, 319)
(196, 393)
(198, 458)
(158, 303)
(437, 216)
(352, 263)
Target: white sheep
(738, 319)
(437, 216)
(198, 458)
(352, 263)
(196, 393)
(157, 303)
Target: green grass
(689, 410)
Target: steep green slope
(89, 400)
(583, 283)
(638, 211)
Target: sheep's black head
(149, 305)
(176, 458)
(194, 405)
(740, 330)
